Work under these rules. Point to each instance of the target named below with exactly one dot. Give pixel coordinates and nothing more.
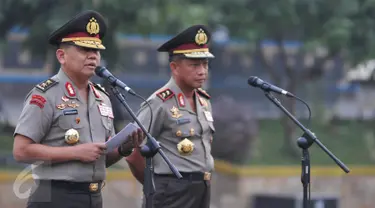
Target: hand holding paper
(121, 137)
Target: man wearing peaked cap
(66, 121)
(183, 124)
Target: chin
(198, 86)
(89, 72)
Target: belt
(91, 187)
(193, 176)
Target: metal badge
(192, 132)
(61, 106)
(93, 187)
(73, 105)
(207, 176)
(65, 99)
(71, 136)
(175, 112)
(185, 147)
(179, 133)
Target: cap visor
(199, 55)
(90, 44)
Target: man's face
(192, 72)
(79, 60)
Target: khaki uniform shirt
(55, 106)
(173, 121)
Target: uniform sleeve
(36, 116)
(144, 116)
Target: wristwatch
(124, 154)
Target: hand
(89, 152)
(134, 140)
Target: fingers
(100, 145)
(137, 137)
(101, 149)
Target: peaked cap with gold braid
(192, 43)
(85, 30)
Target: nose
(201, 69)
(92, 54)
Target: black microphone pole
(304, 142)
(148, 150)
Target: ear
(174, 68)
(60, 55)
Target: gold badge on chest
(185, 147)
(175, 112)
(71, 136)
(67, 103)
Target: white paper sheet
(120, 137)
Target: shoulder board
(203, 93)
(165, 94)
(100, 88)
(44, 86)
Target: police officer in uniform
(183, 124)
(66, 120)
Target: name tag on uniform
(208, 116)
(70, 112)
(105, 110)
(183, 121)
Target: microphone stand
(148, 150)
(304, 142)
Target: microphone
(256, 82)
(102, 72)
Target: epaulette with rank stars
(45, 85)
(203, 93)
(165, 94)
(99, 87)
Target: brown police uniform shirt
(174, 121)
(55, 106)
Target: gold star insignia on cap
(201, 37)
(92, 27)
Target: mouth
(91, 65)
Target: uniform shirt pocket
(107, 123)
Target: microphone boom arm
(304, 142)
(148, 150)
(311, 136)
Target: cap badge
(201, 37)
(92, 27)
